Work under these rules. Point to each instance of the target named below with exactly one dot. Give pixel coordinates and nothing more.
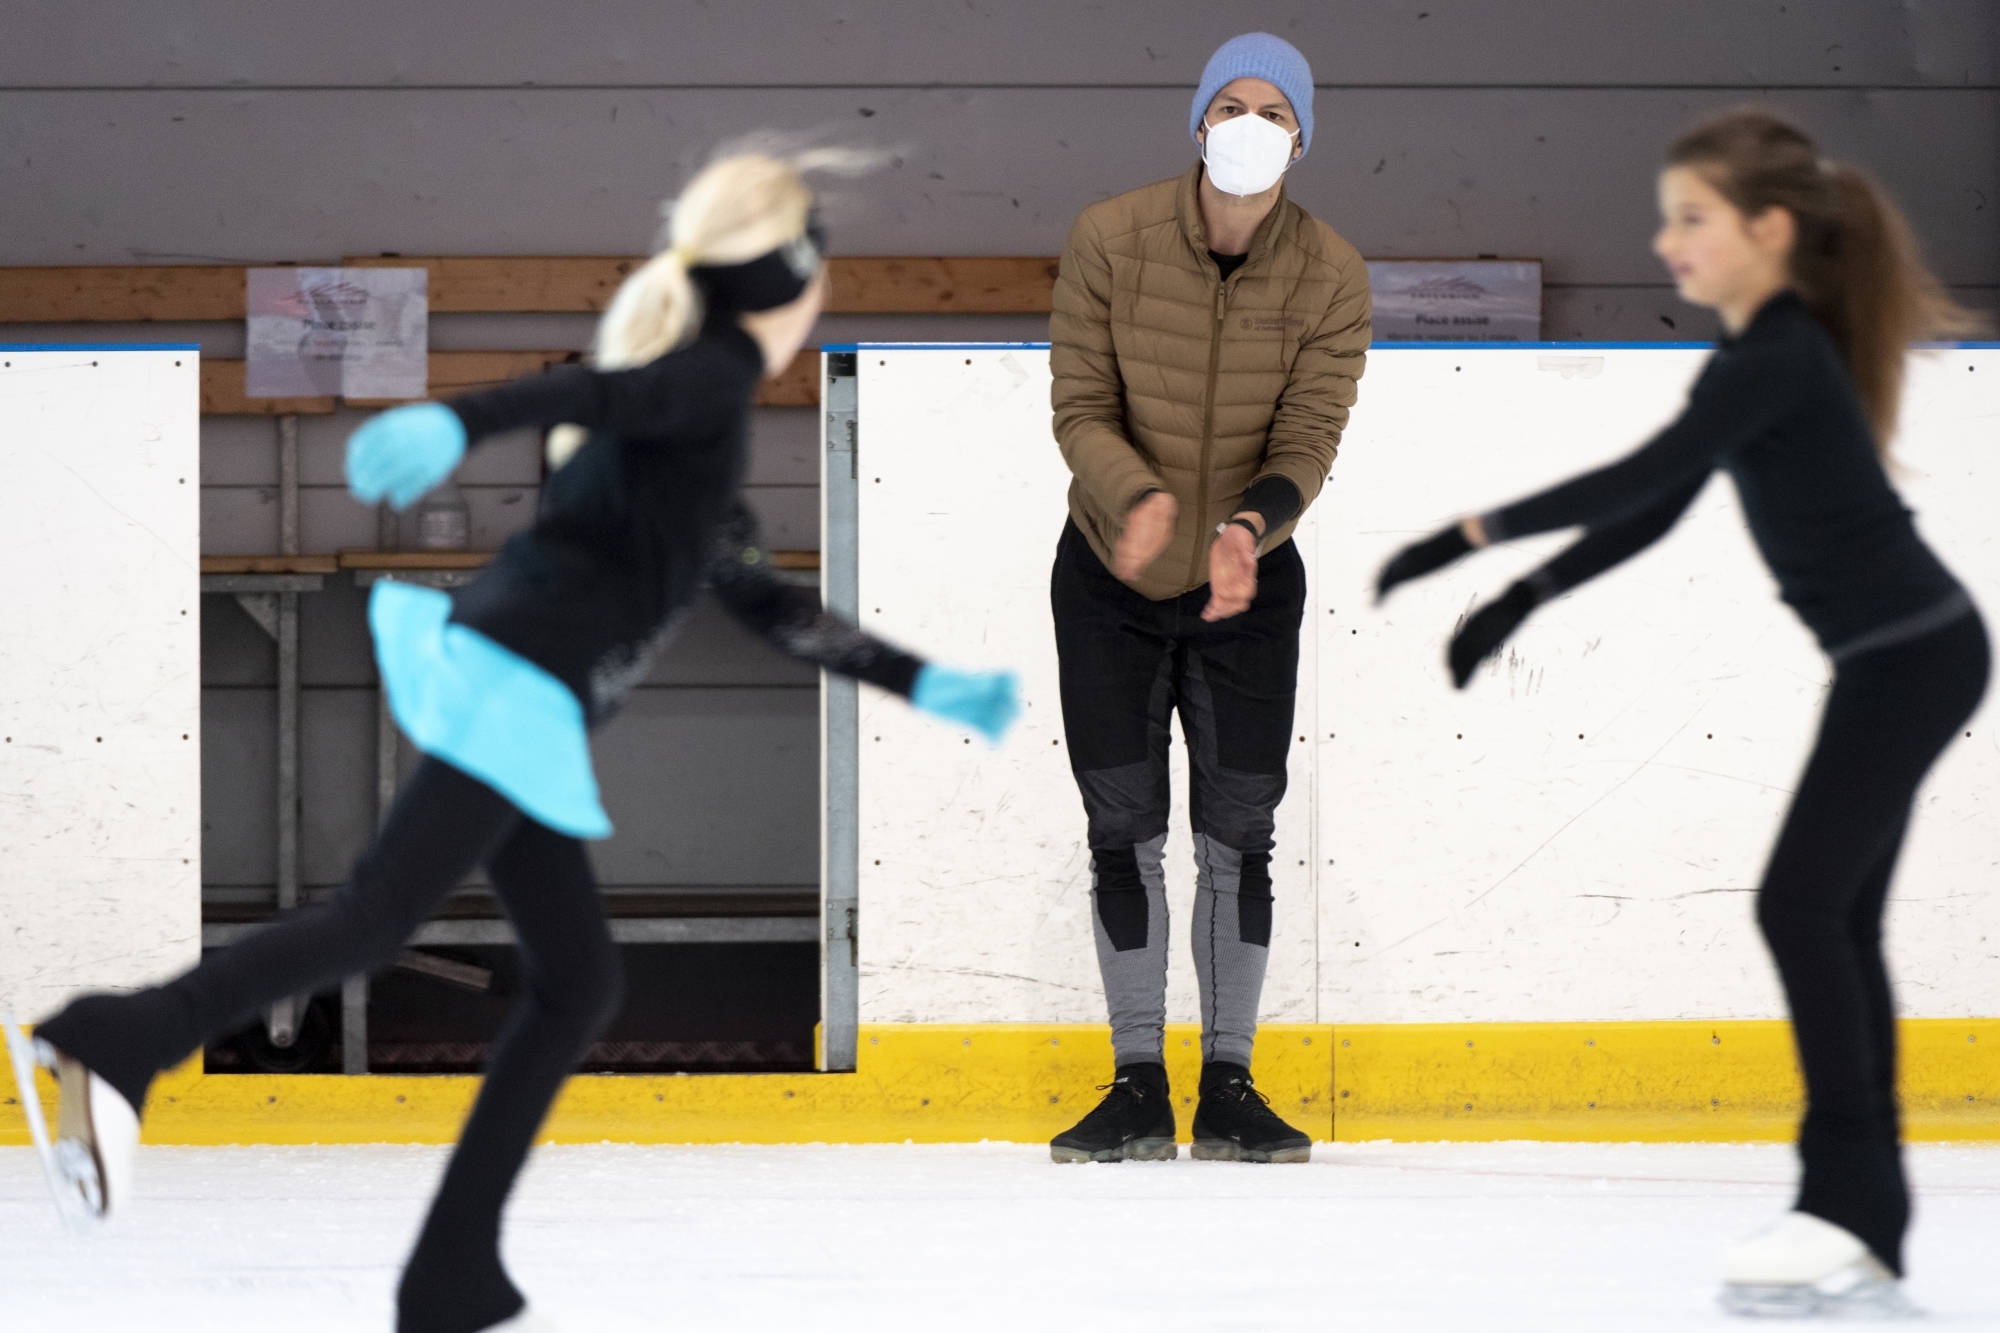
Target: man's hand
(1148, 529)
(1232, 569)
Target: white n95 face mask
(1246, 154)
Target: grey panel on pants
(1228, 969)
(1135, 979)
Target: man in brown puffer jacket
(1207, 337)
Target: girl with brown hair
(1821, 291)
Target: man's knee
(1245, 878)
(1253, 900)
(1124, 806)
(1118, 884)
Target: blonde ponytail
(735, 209)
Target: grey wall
(162, 132)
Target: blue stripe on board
(933, 347)
(1393, 343)
(1389, 345)
(100, 347)
(1395, 346)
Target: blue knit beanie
(1258, 55)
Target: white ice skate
(1803, 1267)
(89, 1166)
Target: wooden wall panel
(642, 43)
(223, 394)
(61, 294)
(515, 284)
(222, 391)
(1566, 174)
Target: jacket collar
(1187, 205)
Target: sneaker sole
(1228, 1150)
(1138, 1150)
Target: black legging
(443, 825)
(1891, 713)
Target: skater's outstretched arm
(1738, 397)
(792, 619)
(399, 454)
(1597, 550)
(680, 394)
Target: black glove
(1415, 561)
(1487, 629)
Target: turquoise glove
(983, 700)
(403, 452)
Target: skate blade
(97, 1139)
(1138, 1150)
(1853, 1296)
(1228, 1150)
(24, 1055)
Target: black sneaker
(1134, 1122)
(1233, 1122)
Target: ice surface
(1462, 1237)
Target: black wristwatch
(1256, 537)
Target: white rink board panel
(100, 794)
(1575, 837)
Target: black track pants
(443, 825)
(1127, 665)
(1890, 714)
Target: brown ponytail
(1854, 263)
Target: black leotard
(1775, 408)
(641, 517)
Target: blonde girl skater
(499, 685)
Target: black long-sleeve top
(1775, 409)
(639, 519)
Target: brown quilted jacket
(1167, 377)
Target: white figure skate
(89, 1166)
(1804, 1267)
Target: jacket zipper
(1207, 432)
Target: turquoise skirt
(485, 710)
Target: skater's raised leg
(572, 987)
(108, 1048)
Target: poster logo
(348, 332)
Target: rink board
(100, 791)
(1024, 1083)
(1574, 839)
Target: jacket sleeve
(791, 619)
(1089, 393)
(1312, 413)
(1732, 403)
